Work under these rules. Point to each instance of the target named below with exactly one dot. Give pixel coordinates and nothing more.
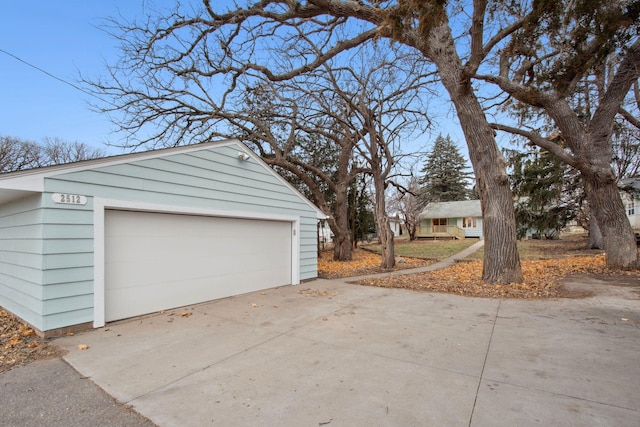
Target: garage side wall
(67, 263)
(21, 259)
(209, 179)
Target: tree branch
(540, 141)
(629, 117)
(627, 74)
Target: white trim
(100, 205)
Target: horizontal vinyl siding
(476, 231)
(211, 179)
(309, 246)
(67, 263)
(21, 259)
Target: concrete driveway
(327, 353)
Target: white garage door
(156, 261)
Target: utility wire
(53, 76)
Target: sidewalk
(444, 263)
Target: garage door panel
(158, 261)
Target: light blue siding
(21, 258)
(472, 231)
(211, 179)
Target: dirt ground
(20, 345)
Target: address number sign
(69, 199)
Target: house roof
(463, 208)
(15, 185)
(631, 183)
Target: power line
(52, 75)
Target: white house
(90, 242)
(397, 225)
(631, 200)
(459, 219)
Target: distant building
(631, 199)
(458, 220)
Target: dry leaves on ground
(363, 262)
(19, 343)
(541, 278)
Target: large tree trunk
(592, 156)
(342, 248)
(382, 221)
(501, 259)
(595, 235)
(607, 207)
(411, 229)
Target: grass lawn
(565, 247)
(528, 249)
(429, 249)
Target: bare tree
(543, 65)
(626, 136)
(409, 204)
(385, 103)
(363, 109)
(56, 151)
(174, 63)
(17, 154)
(299, 129)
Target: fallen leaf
(83, 347)
(254, 305)
(27, 332)
(541, 278)
(362, 262)
(186, 314)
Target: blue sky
(63, 39)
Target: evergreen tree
(445, 174)
(549, 193)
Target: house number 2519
(69, 199)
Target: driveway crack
(484, 363)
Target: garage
(91, 242)
(156, 261)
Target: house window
(439, 225)
(631, 209)
(469, 222)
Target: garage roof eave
(9, 195)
